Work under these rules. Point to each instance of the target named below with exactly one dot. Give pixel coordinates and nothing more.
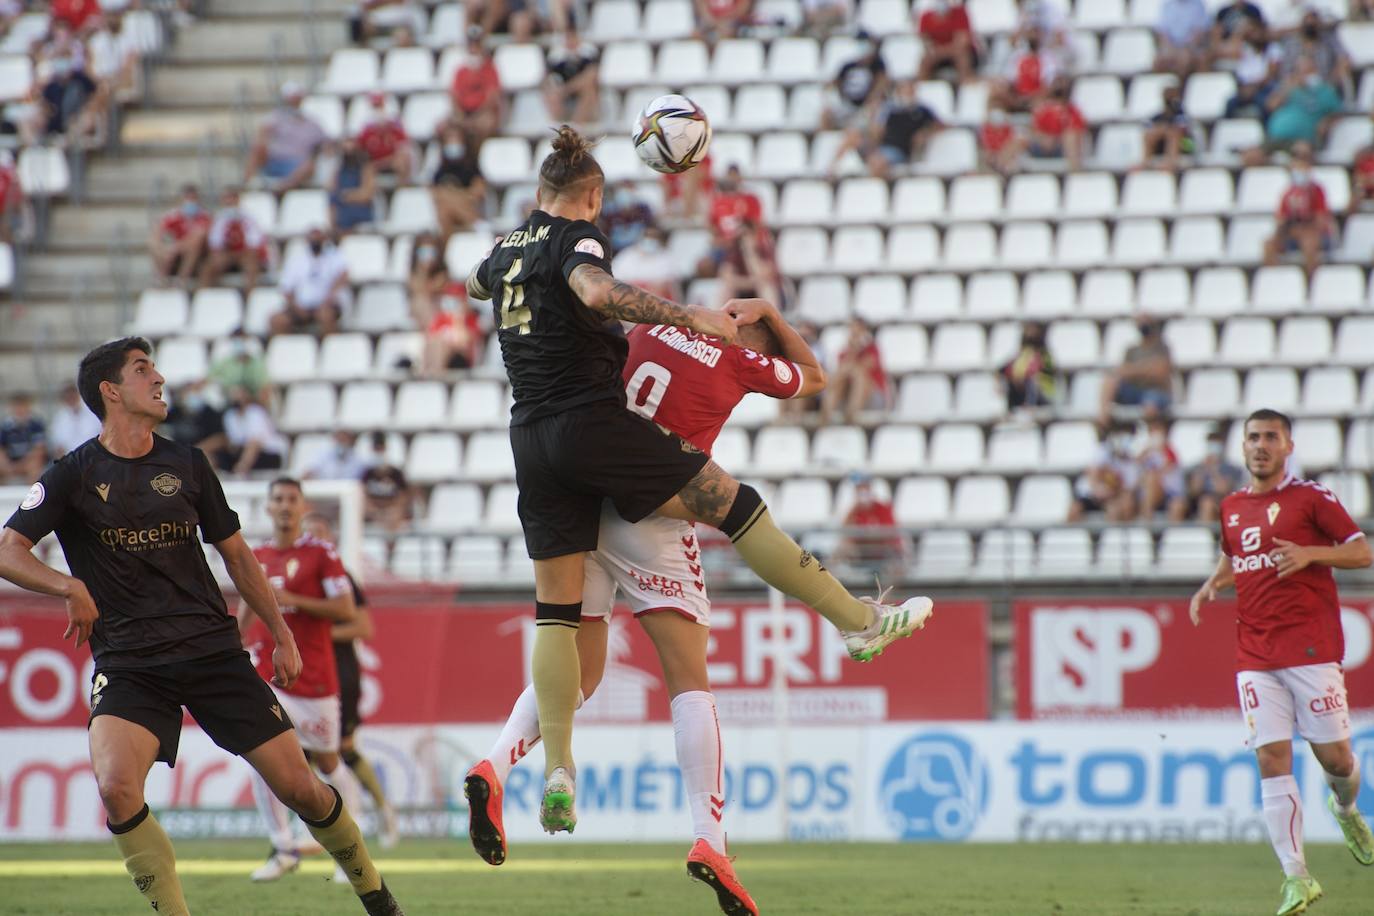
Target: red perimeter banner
(1116, 658)
(439, 663)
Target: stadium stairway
(204, 99)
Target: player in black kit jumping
(126, 506)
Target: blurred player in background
(314, 593)
(1280, 539)
(126, 507)
(351, 690)
(689, 384)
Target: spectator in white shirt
(314, 282)
(72, 424)
(340, 461)
(253, 441)
(650, 265)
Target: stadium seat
(955, 448)
(804, 105)
(1359, 445)
(1032, 197)
(1206, 191)
(918, 200)
(365, 405)
(1245, 238)
(1014, 449)
(352, 71)
(944, 554)
(291, 358)
(793, 60)
(1275, 387)
(992, 294)
(1338, 288)
(1357, 239)
(1083, 51)
(1126, 552)
(760, 108)
(488, 457)
(1042, 499)
(160, 312)
(344, 356)
(681, 61)
(1317, 444)
(1005, 554)
(1126, 52)
(1220, 291)
(419, 558)
(215, 312)
(411, 211)
(1146, 97)
(975, 197)
(1196, 240)
(911, 249)
(613, 20)
(1048, 294)
(1260, 188)
(1192, 341)
(737, 61)
(1230, 137)
(902, 348)
(308, 405)
(1187, 551)
(1278, 289)
(1347, 137)
(981, 500)
(500, 514)
(1089, 194)
(1099, 98)
(1063, 552)
(861, 200)
(624, 63)
(1358, 38)
(382, 307)
(1329, 391)
(978, 397)
(802, 503)
(902, 56)
(1210, 393)
(445, 26)
(1245, 341)
(780, 451)
(731, 450)
(1075, 344)
(434, 457)
(935, 297)
(1069, 445)
(1148, 194)
(803, 250)
(667, 19)
(972, 107)
(880, 298)
(953, 151)
(969, 247)
(856, 249)
(420, 405)
(477, 560)
(302, 210)
(408, 70)
(1138, 242)
(1162, 291)
(781, 156)
(1351, 489)
(823, 300)
(1335, 181)
(924, 399)
(896, 450)
(181, 360)
(839, 449)
(1025, 245)
(1205, 95)
(263, 303)
(1081, 244)
(957, 346)
(1107, 292)
(366, 256)
(1118, 146)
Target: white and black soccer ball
(672, 134)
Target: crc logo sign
(1081, 655)
(934, 787)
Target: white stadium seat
(1192, 341)
(924, 398)
(1081, 244)
(737, 61)
(1023, 245)
(780, 451)
(955, 448)
(1279, 289)
(1271, 386)
(1205, 95)
(1064, 552)
(291, 357)
(896, 450)
(970, 246)
(1125, 551)
(1187, 551)
(1014, 448)
(1032, 196)
(160, 312)
(802, 503)
(880, 298)
(345, 356)
(1069, 445)
(365, 405)
(664, 19)
(1006, 554)
(1329, 391)
(1245, 341)
(1317, 443)
(978, 397)
(981, 500)
(1049, 294)
(840, 449)
(856, 249)
(1220, 291)
(1089, 194)
(308, 405)
(918, 200)
(1042, 500)
(992, 294)
(1148, 194)
(913, 248)
(936, 297)
(944, 554)
(958, 346)
(902, 348)
(921, 501)
(1163, 291)
(433, 457)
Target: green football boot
(1298, 893)
(1358, 839)
(556, 812)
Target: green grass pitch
(572, 879)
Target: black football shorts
(350, 695)
(223, 692)
(567, 463)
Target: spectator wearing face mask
(236, 243)
(859, 380)
(66, 86)
(386, 493)
(314, 283)
(352, 190)
(286, 146)
(339, 460)
(428, 277)
(1303, 221)
(624, 216)
(872, 542)
(193, 419)
(1145, 377)
(1362, 180)
(23, 441)
(252, 442)
(572, 89)
(857, 90)
(1257, 64)
(1207, 483)
(384, 140)
(1000, 145)
(1301, 111)
(72, 423)
(1161, 478)
(177, 243)
(453, 339)
(649, 265)
(1058, 128)
(1109, 484)
(1168, 134)
(897, 136)
(242, 366)
(1316, 40)
(1230, 27)
(947, 40)
(478, 102)
(1029, 73)
(458, 189)
(1029, 377)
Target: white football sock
(1346, 789)
(520, 733)
(275, 815)
(350, 790)
(1283, 816)
(696, 732)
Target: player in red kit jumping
(314, 593)
(1280, 539)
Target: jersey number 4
(514, 312)
(658, 379)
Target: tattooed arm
(611, 298)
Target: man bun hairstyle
(570, 164)
(105, 364)
(1264, 413)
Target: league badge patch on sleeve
(34, 498)
(591, 247)
(782, 371)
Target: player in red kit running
(1280, 539)
(688, 383)
(314, 593)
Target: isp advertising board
(899, 782)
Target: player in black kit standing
(126, 506)
(575, 444)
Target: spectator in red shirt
(717, 19)
(859, 379)
(1000, 144)
(687, 195)
(1028, 77)
(76, 13)
(1362, 179)
(947, 40)
(750, 268)
(177, 242)
(454, 337)
(730, 208)
(1304, 219)
(11, 197)
(236, 242)
(385, 142)
(478, 104)
(1058, 128)
(880, 551)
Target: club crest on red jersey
(1273, 512)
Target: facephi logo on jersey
(167, 534)
(934, 787)
(1082, 655)
(166, 484)
(591, 247)
(103, 490)
(1273, 512)
(34, 499)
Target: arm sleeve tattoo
(612, 298)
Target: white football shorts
(655, 563)
(317, 720)
(1310, 698)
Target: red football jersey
(690, 383)
(310, 568)
(1285, 623)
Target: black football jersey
(558, 353)
(128, 529)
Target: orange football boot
(714, 870)
(484, 795)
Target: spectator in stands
(1257, 64)
(1303, 221)
(1109, 484)
(624, 216)
(252, 442)
(114, 55)
(857, 90)
(572, 88)
(1230, 27)
(386, 494)
(1301, 111)
(453, 339)
(478, 102)
(287, 144)
(23, 441)
(796, 409)
(1000, 145)
(1029, 73)
(1316, 39)
(12, 203)
(1058, 128)
(177, 242)
(1044, 18)
(1168, 134)
(1161, 478)
(428, 277)
(732, 205)
(235, 242)
(649, 264)
(10, 10)
(458, 190)
(879, 553)
(898, 134)
(371, 18)
(717, 19)
(1182, 32)
(72, 423)
(1207, 483)
(1362, 180)
(314, 282)
(193, 419)
(242, 366)
(859, 380)
(384, 140)
(353, 190)
(339, 460)
(947, 40)
(75, 15)
(1029, 377)
(1361, 10)
(687, 195)
(750, 267)
(822, 17)
(67, 87)
(1145, 377)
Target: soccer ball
(671, 134)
